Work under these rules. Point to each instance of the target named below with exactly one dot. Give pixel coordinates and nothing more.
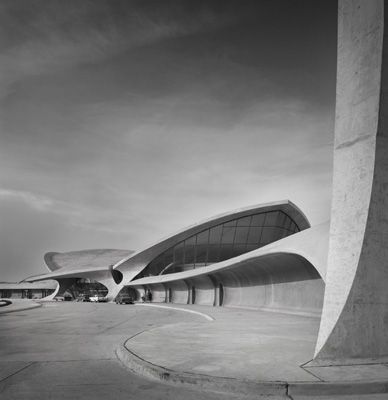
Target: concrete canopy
(135, 263)
(97, 265)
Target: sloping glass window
(271, 218)
(228, 235)
(241, 235)
(258, 219)
(246, 221)
(254, 235)
(223, 241)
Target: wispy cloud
(45, 37)
(39, 203)
(123, 121)
(89, 217)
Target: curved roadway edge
(16, 306)
(207, 382)
(285, 389)
(206, 316)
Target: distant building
(27, 290)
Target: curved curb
(217, 384)
(206, 316)
(285, 389)
(22, 308)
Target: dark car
(124, 300)
(83, 297)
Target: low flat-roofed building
(27, 290)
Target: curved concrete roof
(85, 259)
(310, 244)
(88, 263)
(78, 262)
(134, 264)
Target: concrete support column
(64, 284)
(216, 290)
(113, 288)
(354, 321)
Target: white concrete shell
(283, 269)
(97, 265)
(287, 274)
(135, 263)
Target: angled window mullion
(262, 228)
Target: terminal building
(265, 256)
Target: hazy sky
(123, 121)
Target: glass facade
(221, 242)
(84, 286)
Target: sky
(124, 121)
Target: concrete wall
(179, 291)
(158, 293)
(285, 282)
(204, 290)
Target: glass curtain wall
(221, 242)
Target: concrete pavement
(19, 305)
(68, 351)
(242, 344)
(247, 351)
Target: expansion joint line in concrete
(139, 333)
(114, 326)
(206, 316)
(16, 372)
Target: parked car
(124, 300)
(83, 297)
(98, 299)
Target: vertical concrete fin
(355, 311)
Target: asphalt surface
(67, 351)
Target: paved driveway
(67, 351)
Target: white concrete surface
(354, 321)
